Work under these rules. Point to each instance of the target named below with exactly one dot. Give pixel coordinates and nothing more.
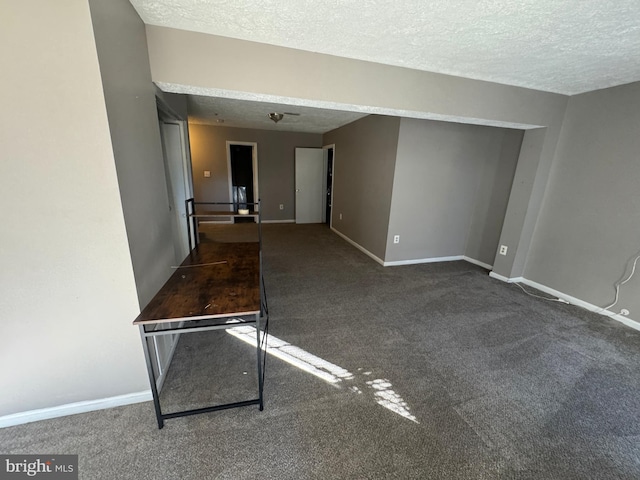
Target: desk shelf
(220, 213)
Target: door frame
(166, 348)
(254, 156)
(318, 183)
(331, 146)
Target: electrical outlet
(282, 206)
(340, 216)
(503, 249)
(396, 239)
(207, 173)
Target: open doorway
(242, 167)
(177, 163)
(328, 166)
(174, 139)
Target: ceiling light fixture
(276, 117)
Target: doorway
(177, 164)
(329, 182)
(242, 167)
(174, 140)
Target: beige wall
(68, 292)
(231, 65)
(363, 168)
(276, 156)
(135, 135)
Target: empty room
(402, 239)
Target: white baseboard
(359, 247)
(90, 405)
(477, 262)
(502, 278)
(572, 300)
(73, 408)
(413, 261)
(291, 220)
(424, 260)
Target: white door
(309, 193)
(177, 185)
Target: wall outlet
(340, 216)
(396, 239)
(503, 249)
(282, 206)
(207, 173)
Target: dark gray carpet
(486, 383)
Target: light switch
(207, 173)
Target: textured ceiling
(562, 46)
(227, 112)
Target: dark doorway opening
(329, 184)
(241, 159)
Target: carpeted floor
(427, 371)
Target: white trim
(290, 220)
(502, 278)
(254, 155)
(629, 322)
(477, 262)
(414, 261)
(424, 260)
(359, 247)
(73, 408)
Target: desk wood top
(216, 280)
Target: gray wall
(590, 224)
(450, 190)
(133, 121)
(68, 292)
(177, 103)
(276, 156)
(494, 189)
(364, 162)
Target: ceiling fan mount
(276, 117)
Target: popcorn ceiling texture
(251, 114)
(558, 46)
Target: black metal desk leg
(152, 377)
(259, 356)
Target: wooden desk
(215, 283)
